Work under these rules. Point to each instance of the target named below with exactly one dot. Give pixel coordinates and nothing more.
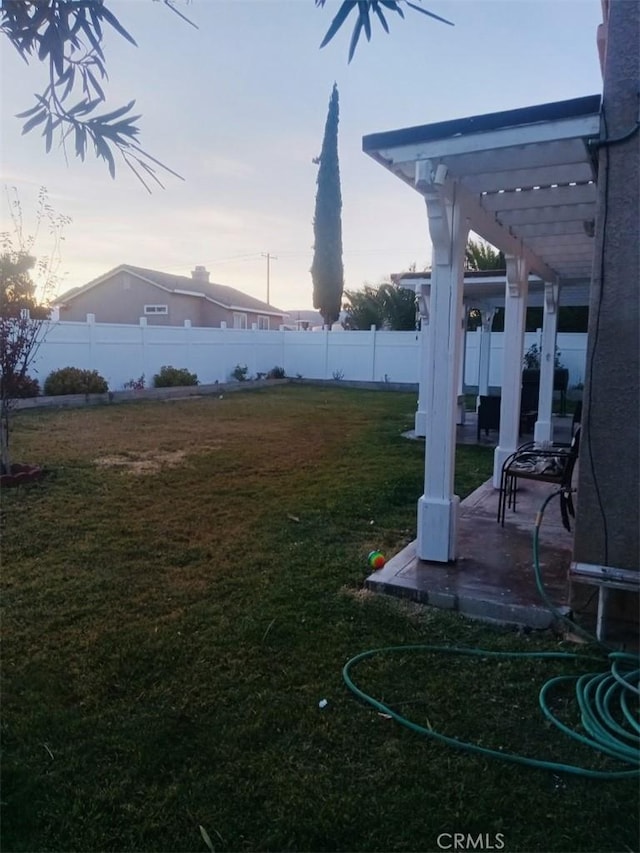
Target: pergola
(483, 290)
(524, 180)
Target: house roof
(527, 177)
(221, 294)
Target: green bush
(73, 380)
(170, 377)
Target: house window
(156, 309)
(239, 320)
(263, 322)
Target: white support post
(424, 297)
(543, 430)
(438, 506)
(516, 289)
(325, 371)
(372, 329)
(461, 407)
(484, 355)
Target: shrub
(73, 380)
(170, 377)
(135, 384)
(239, 372)
(23, 386)
(276, 373)
(531, 358)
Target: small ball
(376, 560)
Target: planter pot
(560, 378)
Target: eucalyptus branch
(68, 35)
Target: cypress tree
(326, 270)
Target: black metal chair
(553, 465)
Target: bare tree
(26, 282)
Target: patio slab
(493, 577)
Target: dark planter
(20, 474)
(531, 386)
(560, 378)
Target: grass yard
(182, 591)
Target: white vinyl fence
(121, 353)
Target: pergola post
(484, 355)
(543, 430)
(423, 296)
(515, 309)
(438, 506)
(461, 408)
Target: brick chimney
(200, 273)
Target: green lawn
(182, 591)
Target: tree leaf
(81, 141)
(115, 23)
(355, 38)
(48, 134)
(430, 14)
(103, 150)
(37, 119)
(206, 839)
(31, 111)
(97, 87)
(363, 11)
(382, 19)
(107, 117)
(392, 5)
(338, 21)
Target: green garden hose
(599, 696)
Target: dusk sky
(238, 108)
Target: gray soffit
(529, 176)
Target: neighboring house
(303, 320)
(307, 320)
(126, 294)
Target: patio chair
(553, 465)
(488, 415)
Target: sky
(237, 107)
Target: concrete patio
(493, 577)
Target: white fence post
(373, 352)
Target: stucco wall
(607, 530)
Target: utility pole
(269, 258)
